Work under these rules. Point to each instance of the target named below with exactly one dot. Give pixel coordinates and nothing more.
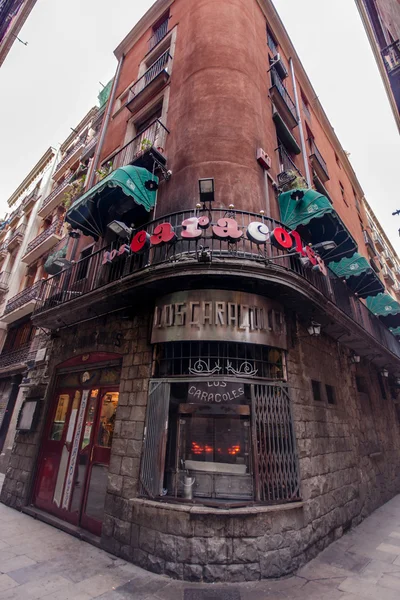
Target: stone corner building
(219, 400)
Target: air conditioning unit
(263, 159)
(279, 66)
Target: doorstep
(74, 530)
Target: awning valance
(128, 193)
(314, 217)
(395, 331)
(359, 275)
(386, 308)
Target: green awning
(386, 308)
(127, 195)
(359, 275)
(395, 331)
(314, 217)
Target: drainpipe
(99, 147)
(302, 138)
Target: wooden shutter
(276, 462)
(155, 440)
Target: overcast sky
(48, 86)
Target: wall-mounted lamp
(120, 229)
(314, 329)
(206, 189)
(327, 245)
(385, 373)
(355, 358)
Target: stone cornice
(154, 13)
(35, 172)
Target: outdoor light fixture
(355, 358)
(314, 329)
(120, 229)
(327, 245)
(385, 373)
(206, 188)
(151, 185)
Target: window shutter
(155, 438)
(276, 461)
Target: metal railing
(19, 232)
(92, 273)
(315, 152)
(152, 137)
(90, 145)
(160, 65)
(286, 162)
(368, 241)
(34, 195)
(71, 151)
(15, 356)
(391, 56)
(15, 213)
(271, 43)
(28, 294)
(158, 34)
(57, 190)
(3, 247)
(55, 228)
(278, 83)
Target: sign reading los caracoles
(225, 229)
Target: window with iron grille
(219, 358)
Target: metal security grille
(219, 358)
(276, 464)
(154, 442)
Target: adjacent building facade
(13, 14)
(220, 395)
(381, 20)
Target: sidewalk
(39, 561)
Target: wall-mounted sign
(219, 315)
(216, 392)
(225, 229)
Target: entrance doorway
(76, 448)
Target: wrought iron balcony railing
(55, 228)
(160, 65)
(278, 83)
(315, 152)
(15, 356)
(286, 162)
(15, 214)
(57, 190)
(18, 233)
(152, 137)
(93, 272)
(71, 151)
(158, 34)
(391, 57)
(32, 197)
(27, 295)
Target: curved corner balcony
(51, 201)
(117, 277)
(22, 304)
(43, 242)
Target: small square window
(330, 394)
(316, 388)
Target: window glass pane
(90, 416)
(59, 418)
(107, 419)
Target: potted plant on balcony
(76, 189)
(104, 170)
(145, 145)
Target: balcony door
(75, 454)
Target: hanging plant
(75, 190)
(104, 170)
(145, 144)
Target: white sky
(49, 85)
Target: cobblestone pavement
(39, 561)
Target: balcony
(145, 150)
(389, 259)
(16, 238)
(282, 100)
(3, 250)
(318, 163)
(29, 201)
(89, 149)
(70, 157)
(151, 82)
(15, 357)
(51, 201)
(388, 275)
(14, 216)
(369, 243)
(4, 277)
(378, 241)
(43, 242)
(104, 282)
(285, 161)
(391, 58)
(22, 304)
(159, 34)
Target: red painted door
(73, 466)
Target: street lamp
(120, 229)
(206, 189)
